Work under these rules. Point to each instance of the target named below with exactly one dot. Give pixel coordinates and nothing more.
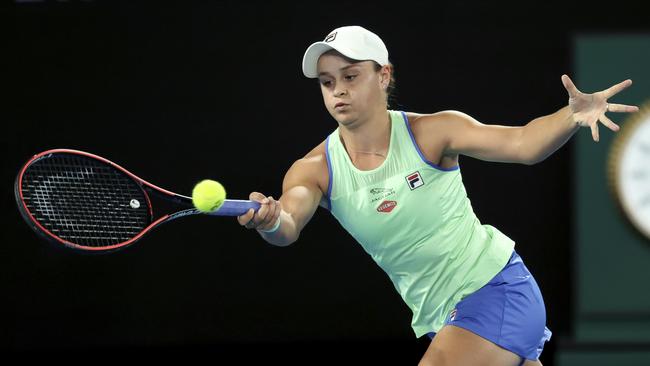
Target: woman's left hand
(588, 109)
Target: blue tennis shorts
(508, 311)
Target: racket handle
(236, 207)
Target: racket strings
(84, 201)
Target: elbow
(531, 160)
(526, 155)
(536, 159)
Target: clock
(628, 170)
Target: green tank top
(414, 218)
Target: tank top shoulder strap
(408, 150)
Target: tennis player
(392, 179)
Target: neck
(369, 134)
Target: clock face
(632, 174)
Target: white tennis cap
(352, 41)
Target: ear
(385, 73)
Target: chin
(344, 118)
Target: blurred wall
(611, 308)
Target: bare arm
(464, 135)
(535, 141)
(300, 198)
(527, 144)
(545, 135)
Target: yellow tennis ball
(208, 195)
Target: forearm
(543, 136)
(286, 233)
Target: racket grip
(236, 207)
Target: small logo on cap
(330, 37)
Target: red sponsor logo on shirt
(387, 206)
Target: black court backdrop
(178, 93)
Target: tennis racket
(85, 202)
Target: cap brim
(310, 59)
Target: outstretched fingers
(622, 108)
(594, 131)
(613, 90)
(608, 122)
(569, 85)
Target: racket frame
(147, 188)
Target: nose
(339, 92)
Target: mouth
(340, 105)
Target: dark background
(178, 93)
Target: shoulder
(439, 125)
(312, 168)
(432, 132)
(316, 159)
(432, 120)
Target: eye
(325, 82)
(350, 77)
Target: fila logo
(330, 37)
(414, 180)
(386, 206)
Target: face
(358, 86)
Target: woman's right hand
(265, 217)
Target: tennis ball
(208, 195)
